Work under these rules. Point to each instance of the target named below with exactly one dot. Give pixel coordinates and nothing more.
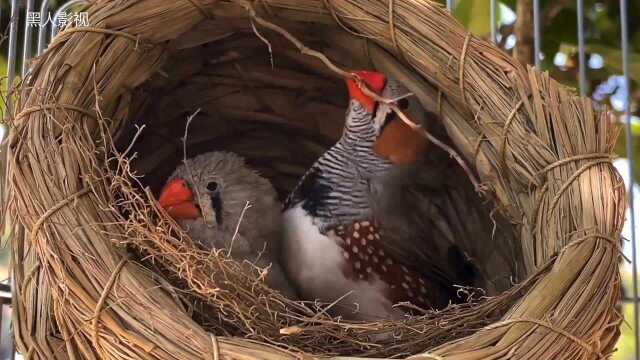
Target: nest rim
(30, 229)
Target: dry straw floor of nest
(100, 272)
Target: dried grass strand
(66, 201)
(28, 111)
(463, 57)
(572, 179)
(201, 9)
(103, 299)
(96, 30)
(61, 271)
(334, 14)
(392, 31)
(551, 327)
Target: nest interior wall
(280, 110)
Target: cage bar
(536, 33)
(582, 71)
(42, 31)
(13, 48)
(26, 51)
(493, 21)
(624, 45)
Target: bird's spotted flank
(366, 260)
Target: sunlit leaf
(613, 59)
(475, 15)
(621, 148)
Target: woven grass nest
(100, 272)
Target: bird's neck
(337, 188)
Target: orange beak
(177, 200)
(375, 82)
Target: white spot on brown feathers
(366, 261)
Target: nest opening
(72, 198)
(280, 110)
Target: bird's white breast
(314, 262)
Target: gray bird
(224, 204)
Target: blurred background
(577, 42)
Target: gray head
(393, 90)
(214, 188)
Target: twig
(133, 141)
(481, 188)
(264, 40)
(298, 328)
(390, 102)
(233, 239)
(184, 155)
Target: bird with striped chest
(334, 244)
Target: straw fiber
(108, 111)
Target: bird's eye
(403, 104)
(212, 186)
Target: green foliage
(626, 343)
(613, 59)
(475, 15)
(620, 148)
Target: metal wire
(582, 71)
(42, 31)
(13, 47)
(536, 33)
(450, 5)
(624, 44)
(493, 21)
(66, 6)
(26, 51)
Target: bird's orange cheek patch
(400, 144)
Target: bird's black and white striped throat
(337, 187)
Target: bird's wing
(366, 259)
(421, 227)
